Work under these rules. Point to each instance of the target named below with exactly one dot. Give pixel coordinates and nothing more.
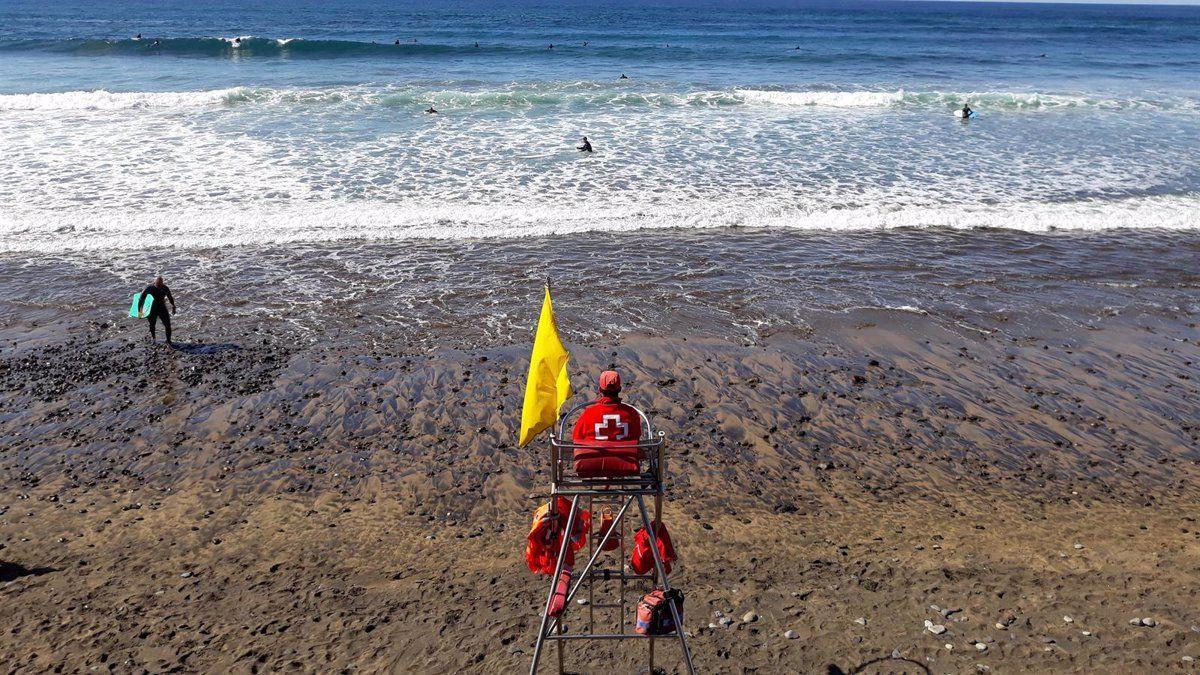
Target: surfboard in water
(959, 113)
(142, 312)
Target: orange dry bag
(545, 536)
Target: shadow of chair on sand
(201, 348)
(13, 571)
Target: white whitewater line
(572, 93)
(833, 99)
(106, 100)
(299, 222)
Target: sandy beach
(911, 288)
(261, 500)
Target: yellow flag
(548, 386)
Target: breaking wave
(239, 46)
(993, 100)
(104, 229)
(574, 95)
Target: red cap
(610, 381)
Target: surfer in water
(586, 147)
(158, 310)
(966, 111)
(430, 110)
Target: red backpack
(654, 614)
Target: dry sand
(278, 506)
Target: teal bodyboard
(144, 311)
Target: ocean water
(267, 123)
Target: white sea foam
(106, 100)
(834, 99)
(339, 221)
(230, 166)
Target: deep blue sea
(269, 122)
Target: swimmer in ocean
(623, 77)
(586, 147)
(430, 110)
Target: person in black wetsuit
(159, 291)
(586, 147)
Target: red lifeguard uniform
(609, 432)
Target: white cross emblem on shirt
(603, 429)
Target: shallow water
(743, 285)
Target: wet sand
(260, 500)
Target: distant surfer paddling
(158, 310)
(431, 110)
(586, 147)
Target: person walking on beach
(586, 147)
(158, 310)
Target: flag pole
(554, 471)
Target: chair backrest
(563, 449)
(564, 437)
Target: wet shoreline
(740, 285)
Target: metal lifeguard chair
(618, 493)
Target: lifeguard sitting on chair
(607, 434)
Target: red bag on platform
(641, 560)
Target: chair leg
(666, 584)
(558, 565)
